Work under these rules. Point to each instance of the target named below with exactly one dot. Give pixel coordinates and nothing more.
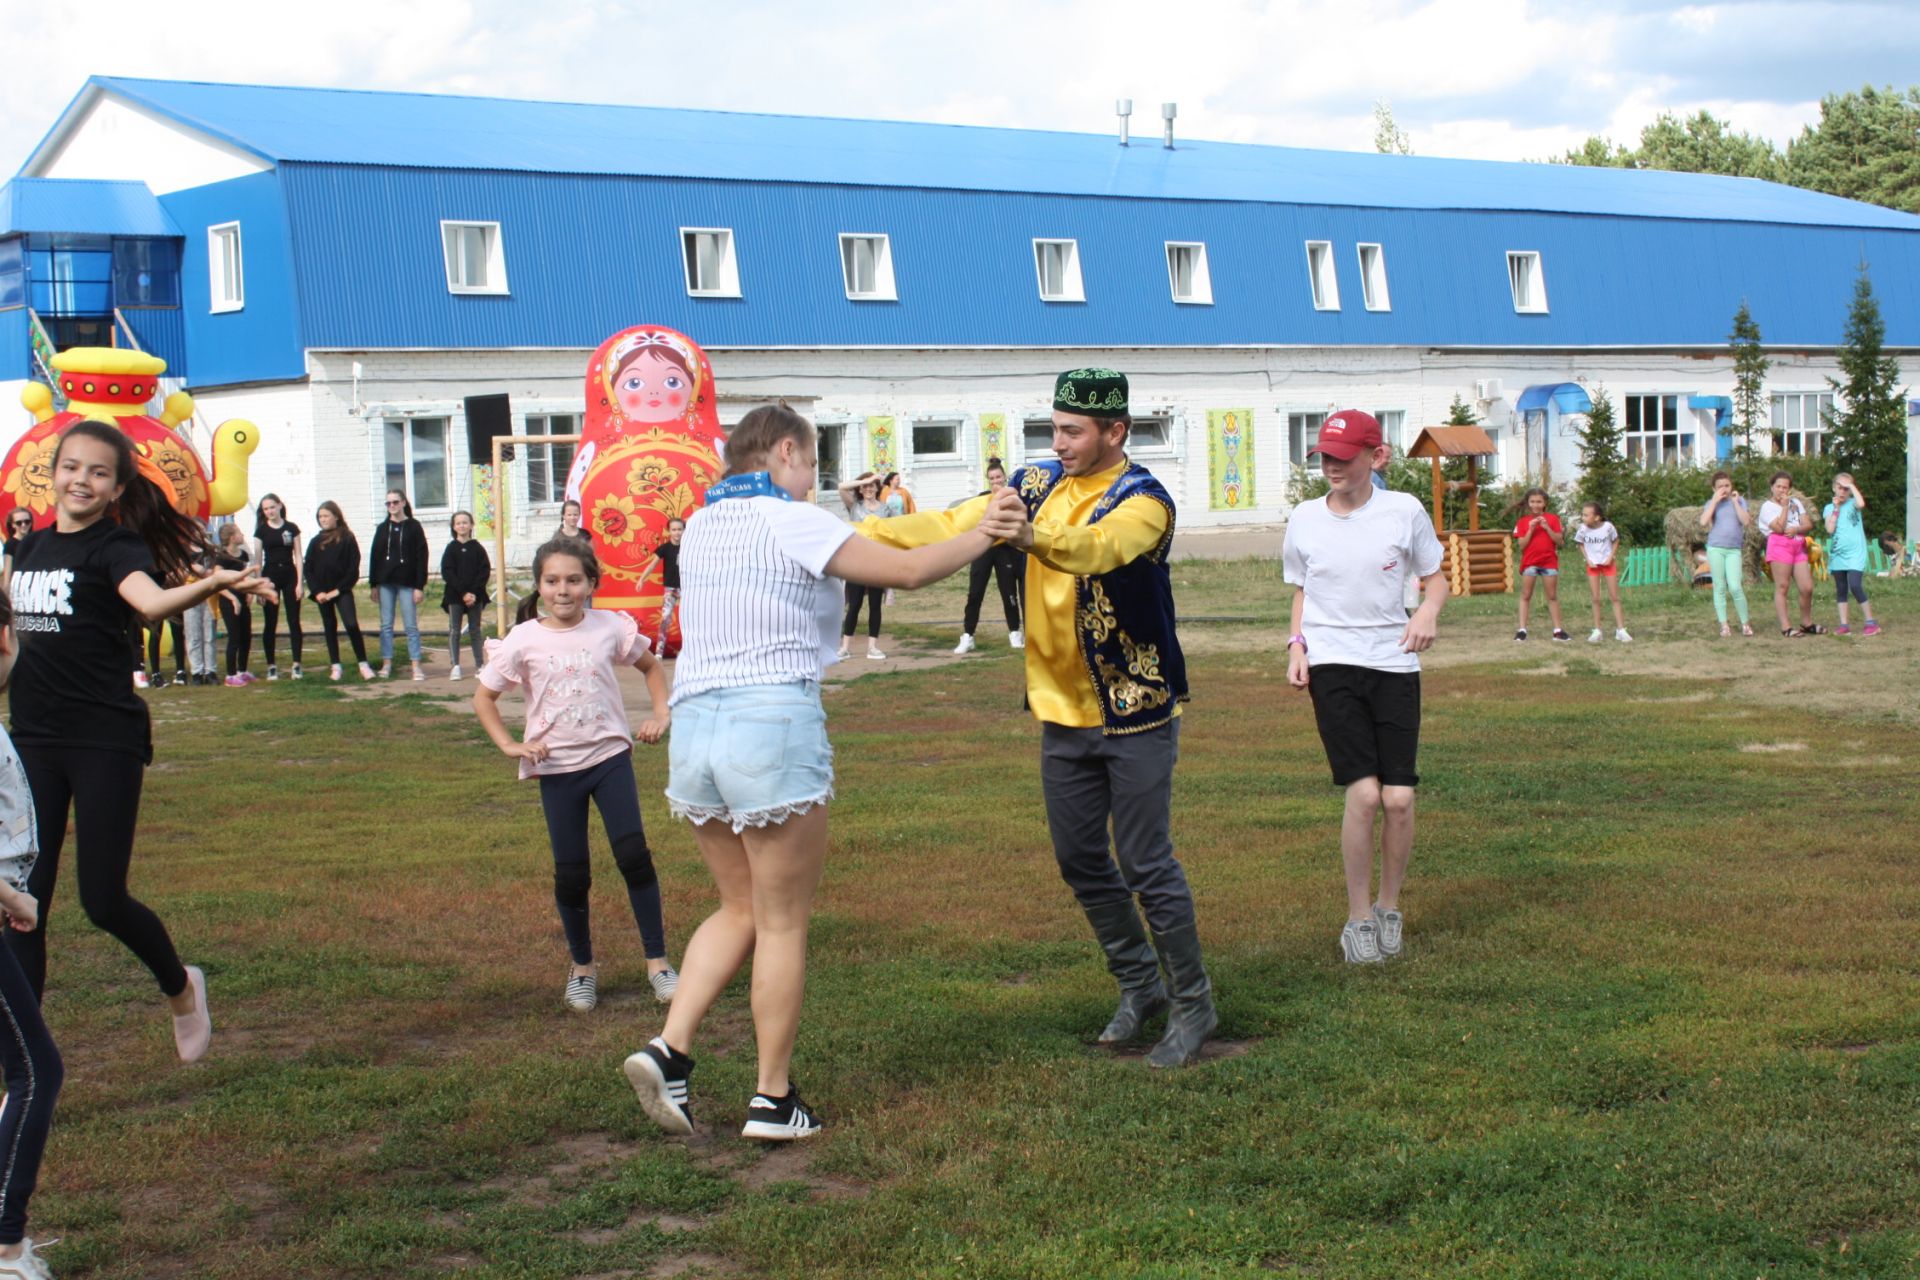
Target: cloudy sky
(1497, 79)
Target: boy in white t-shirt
(1599, 540)
(1353, 648)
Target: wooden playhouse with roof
(1477, 560)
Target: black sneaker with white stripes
(779, 1119)
(659, 1076)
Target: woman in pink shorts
(1787, 520)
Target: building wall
(259, 342)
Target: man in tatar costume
(1105, 678)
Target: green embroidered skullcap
(1101, 392)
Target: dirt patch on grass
(1211, 1051)
(680, 1264)
(1771, 748)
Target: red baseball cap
(1347, 434)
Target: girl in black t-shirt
(276, 542)
(83, 733)
(466, 570)
(236, 611)
(331, 569)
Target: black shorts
(1369, 722)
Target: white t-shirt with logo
(1354, 569)
(1597, 542)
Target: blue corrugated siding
(261, 341)
(82, 206)
(16, 354)
(588, 255)
(162, 331)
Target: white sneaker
(1594, 638)
(28, 1266)
(1360, 941)
(1017, 639)
(583, 992)
(1622, 636)
(1390, 924)
(192, 1032)
(140, 680)
(455, 673)
(965, 645)
(876, 655)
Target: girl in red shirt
(1538, 534)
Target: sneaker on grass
(779, 1119)
(28, 1266)
(583, 992)
(966, 644)
(1389, 923)
(1620, 634)
(1360, 942)
(665, 983)
(659, 1076)
(1558, 634)
(1521, 634)
(1594, 636)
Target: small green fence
(1653, 566)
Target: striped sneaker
(779, 1119)
(583, 992)
(665, 983)
(659, 1076)
(1360, 942)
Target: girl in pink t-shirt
(578, 743)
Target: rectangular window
(935, 437)
(1798, 423)
(712, 269)
(13, 272)
(475, 259)
(1528, 284)
(1303, 432)
(866, 261)
(548, 464)
(1652, 436)
(417, 460)
(146, 273)
(1036, 438)
(1057, 263)
(828, 452)
(1187, 273)
(1373, 278)
(1320, 273)
(226, 275)
(1151, 432)
(1393, 428)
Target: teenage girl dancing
(83, 733)
(578, 743)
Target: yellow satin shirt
(1059, 689)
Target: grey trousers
(200, 655)
(1091, 779)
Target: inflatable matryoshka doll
(650, 447)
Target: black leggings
(271, 611)
(1006, 568)
(855, 594)
(238, 620)
(348, 616)
(611, 788)
(103, 789)
(153, 654)
(34, 1073)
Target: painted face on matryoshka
(652, 388)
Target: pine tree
(1866, 147)
(1867, 435)
(1602, 466)
(1750, 365)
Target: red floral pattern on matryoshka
(650, 446)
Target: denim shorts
(1539, 571)
(751, 756)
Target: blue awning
(1567, 397)
(1722, 407)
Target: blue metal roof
(437, 131)
(77, 207)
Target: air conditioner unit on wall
(1487, 389)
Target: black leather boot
(1130, 960)
(1193, 1018)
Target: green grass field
(1657, 1015)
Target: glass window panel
(396, 444)
(429, 462)
(1150, 433)
(1036, 437)
(936, 437)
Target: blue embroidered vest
(1123, 620)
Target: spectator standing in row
(466, 570)
(236, 610)
(1600, 543)
(863, 500)
(19, 525)
(1007, 567)
(276, 544)
(199, 622)
(1847, 552)
(1725, 518)
(1787, 522)
(397, 569)
(332, 569)
(1539, 534)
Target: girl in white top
(1599, 543)
(748, 760)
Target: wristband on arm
(1296, 639)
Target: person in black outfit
(331, 570)
(466, 570)
(276, 542)
(236, 611)
(83, 734)
(19, 525)
(1008, 567)
(397, 569)
(159, 678)
(669, 556)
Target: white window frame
(1322, 280)
(495, 282)
(1653, 448)
(1309, 437)
(556, 483)
(1816, 435)
(959, 424)
(1394, 435)
(224, 298)
(1201, 293)
(1029, 450)
(1073, 286)
(883, 285)
(1373, 277)
(1536, 304)
(1168, 447)
(728, 285)
(407, 422)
